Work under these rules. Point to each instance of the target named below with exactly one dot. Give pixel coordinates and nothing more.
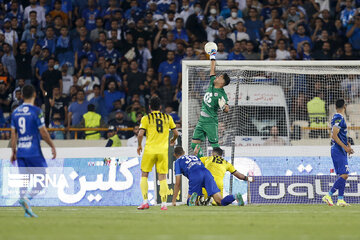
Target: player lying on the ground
(214, 98)
(199, 177)
(339, 150)
(218, 166)
(27, 129)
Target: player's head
(28, 92)
(340, 104)
(222, 80)
(91, 108)
(217, 152)
(178, 151)
(155, 103)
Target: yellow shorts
(160, 160)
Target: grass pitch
(290, 222)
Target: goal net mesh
(271, 105)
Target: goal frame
(226, 63)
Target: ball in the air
(210, 46)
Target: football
(209, 46)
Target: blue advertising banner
(78, 182)
(299, 189)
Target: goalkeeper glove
(222, 103)
(213, 54)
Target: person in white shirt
(67, 79)
(11, 36)
(87, 82)
(40, 12)
(239, 33)
(281, 52)
(133, 141)
(186, 12)
(233, 19)
(276, 30)
(212, 30)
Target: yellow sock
(163, 190)
(144, 187)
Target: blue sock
(187, 202)
(227, 200)
(341, 187)
(337, 185)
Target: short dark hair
(155, 103)
(340, 103)
(28, 91)
(178, 151)
(91, 107)
(218, 151)
(96, 86)
(226, 78)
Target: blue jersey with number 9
(27, 120)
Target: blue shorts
(32, 162)
(202, 178)
(340, 161)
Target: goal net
(273, 102)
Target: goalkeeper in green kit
(214, 98)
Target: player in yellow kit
(157, 126)
(218, 167)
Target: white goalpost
(269, 102)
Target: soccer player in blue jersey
(339, 150)
(27, 129)
(199, 177)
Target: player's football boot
(327, 199)
(239, 199)
(193, 198)
(164, 208)
(342, 203)
(25, 203)
(143, 206)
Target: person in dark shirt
(228, 43)
(134, 78)
(348, 53)
(324, 53)
(59, 104)
(49, 79)
(119, 122)
(23, 63)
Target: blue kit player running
(339, 150)
(199, 177)
(27, 128)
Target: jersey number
(159, 125)
(217, 160)
(22, 125)
(207, 97)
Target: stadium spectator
(159, 50)
(8, 60)
(77, 109)
(133, 141)
(233, 19)
(274, 140)
(134, 79)
(281, 52)
(324, 53)
(5, 97)
(239, 33)
(23, 63)
(36, 10)
(134, 109)
(114, 140)
(348, 53)
(276, 31)
(317, 116)
(11, 36)
(120, 123)
(353, 33)
(67, 79)
(111, 95)
(49, 41)
(221, 54)
(143, 55)
(167, 91)
(222, 38)
(298, 36)
(249, 53)
(304, 51)
(179, 30)
(171, 69)
(348, 13)
(195, 25)
(254, 27)
(50, 79)
(92, 120)
(236, 53)
(5, 77)
(186, 11)
(111, 76)
(59, 104)
(57, 122)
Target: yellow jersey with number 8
(157, 126)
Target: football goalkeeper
(214, 98)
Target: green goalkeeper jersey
(210, 103)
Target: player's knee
(144, 174)
(344, 176)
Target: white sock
(163, 204)
(145, 201)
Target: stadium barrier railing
(76, 130)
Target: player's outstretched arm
(335, 132)
(176, 189)
(46, 137)
(212, 66)
(241, 176)
(13, 144)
